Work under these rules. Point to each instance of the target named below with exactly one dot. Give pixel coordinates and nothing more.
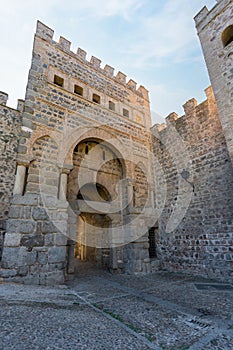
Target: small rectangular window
(96, 98)
(58, 80)
(125, 113)
(111, 106)
(78, 90)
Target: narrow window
(58, 80)
(86, 149)
(104, 156)
(227, 36)
(134, 196)
(152, 243)
(25, 181)
(96, 98)
(125, 113)
(111, 106)
(78, 90)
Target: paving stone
(99, 310)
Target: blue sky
(154, 42)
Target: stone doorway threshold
(88, 268)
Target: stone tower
(215, 30)
(84, 179)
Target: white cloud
(104, 8)
(168, 33)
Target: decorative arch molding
(38, 134)
(142, 166)
(43, 172)
(112, 142)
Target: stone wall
(194, 192)
(35, 246)
(10, 123)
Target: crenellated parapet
(47, 34)
(3, 98)
(205, 16)
(192, 112)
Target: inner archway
(93, 184)
(94, 192)
(88, 249)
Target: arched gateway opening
(94, 184)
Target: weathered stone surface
(6, 273)
(12, 239)
(49, 239)
(31, 241)
(39, 213)
(13, 257)
(23, 271)
(21, 226)
(48, 201)
(56, 254)
(31, 258)
(42, 258)
(60, 239)
(61, 226)
(52, 278)
(15, 212)
(49, 227)
(27, 199)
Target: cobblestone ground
(98, 310)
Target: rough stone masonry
(84, 175)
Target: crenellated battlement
(3, 98)
(190, 108)
(205, 16)
(47, 34)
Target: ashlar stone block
(12, 239)
(57, 254)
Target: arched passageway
(93, 184)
